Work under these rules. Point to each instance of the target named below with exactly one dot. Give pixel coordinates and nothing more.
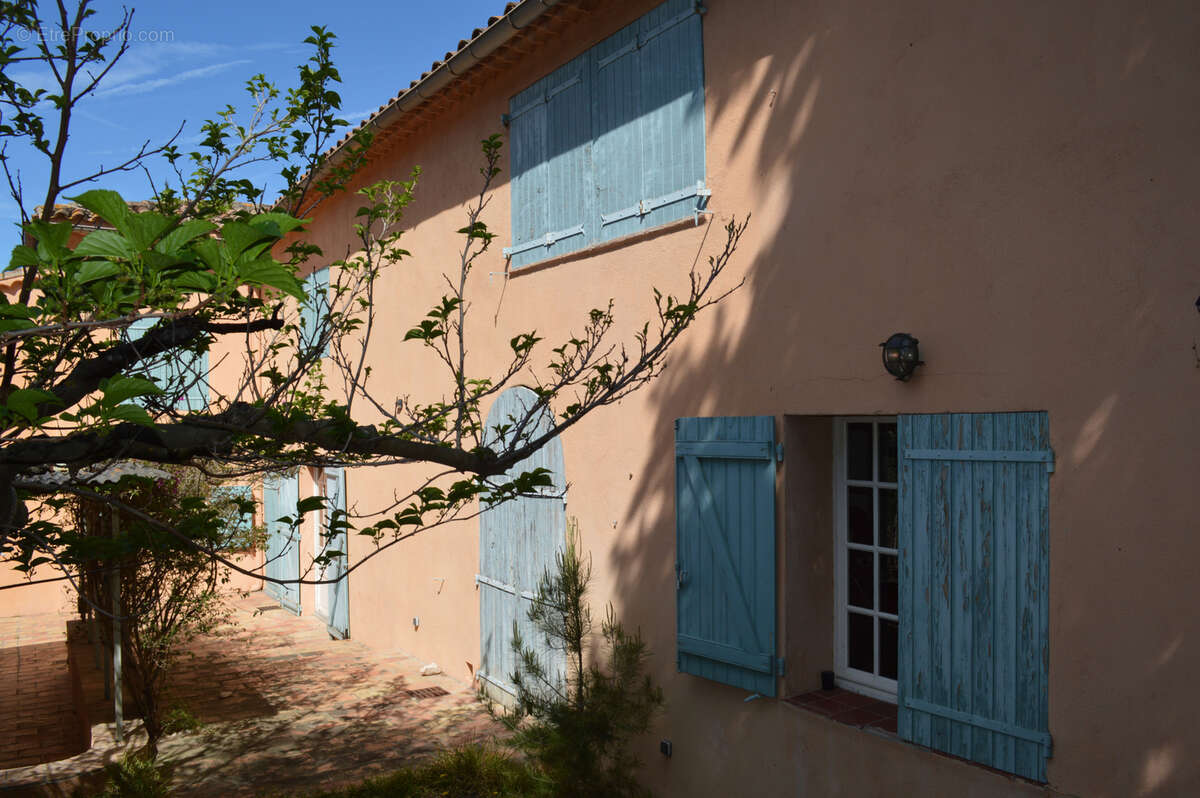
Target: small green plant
(469, 772)
(578, 731)
(180, 719)
(135, 776)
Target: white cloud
(141, 87)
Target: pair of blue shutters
(173, 370)
(974, 574)
(612, 142)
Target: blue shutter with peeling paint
(552, 192)
(648, 117)
(339, 595)
(725, 550)
(315, 308)
(974, 608)
(280, 494)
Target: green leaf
(52, 238)
(200, 281)
(118, 389)
(133, 413)
(268, 271)
(210, 251)
(24, 402)
(145, 228)
(238, 236)
(282, 222)
(309, 504)
(108, 205)
(105, 244)
(93, 270)
(188, 231)
(23, 256)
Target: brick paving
(37, 712)
(284, 709)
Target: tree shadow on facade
(921, 171)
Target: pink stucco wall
(1014, 187)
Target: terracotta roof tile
(82, 217)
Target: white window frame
(846, 677)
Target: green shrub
(180, 719)
(579, 732)
(135, 776)
(468, 772)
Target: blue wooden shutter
(974, 609)
(725, 550)
(552, 192)
(174, 370)
(616, 122)
(339, 595)
(191, 370)
(239, 524)
(280, 494)
(518, 540)
(315, 308)
(153, 369)
(648, 117)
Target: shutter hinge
(780, 666)
(505, 119)
(779, 452)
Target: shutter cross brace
(700, 192)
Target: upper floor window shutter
(174, 371)
(193, 372)
(648, 116)
(725, 550)
(974, 609)
(315, 309)
(612, 142)
(553, 195)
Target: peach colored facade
(1016, 187)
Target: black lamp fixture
(901, 356)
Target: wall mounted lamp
(901, 356)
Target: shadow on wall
(921, 171)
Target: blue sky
(188, 60)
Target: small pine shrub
(579, 732)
